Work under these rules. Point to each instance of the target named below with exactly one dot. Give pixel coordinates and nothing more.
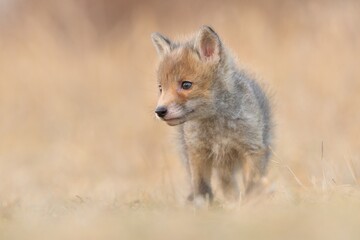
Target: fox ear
(161, 43)
(208, 44)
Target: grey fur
(232, 131)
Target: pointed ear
(161, 43)
(208, 44)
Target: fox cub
(222, 114)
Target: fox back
(223, 115)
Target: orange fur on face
(181, 65)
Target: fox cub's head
(186, 76)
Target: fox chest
(219, 142)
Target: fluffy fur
(224, 119)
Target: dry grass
(82, 157)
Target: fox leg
(253, 171)
(228, 183)
(200, 169)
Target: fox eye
(186, 85)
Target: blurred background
(78, 89)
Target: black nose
(161, 111)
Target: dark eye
(186, 85)
(160, 88)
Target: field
(83, 157)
